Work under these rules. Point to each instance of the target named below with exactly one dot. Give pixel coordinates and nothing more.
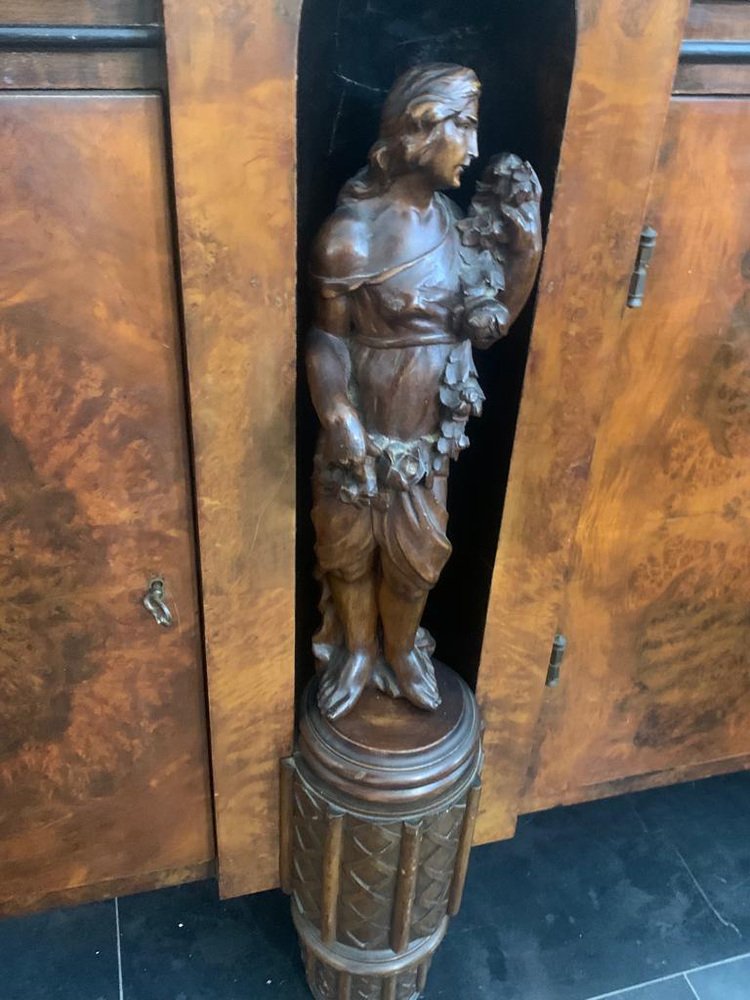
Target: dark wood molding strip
(705, 51)
(19, 38)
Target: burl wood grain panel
(80, 11)
(658, 605)
(719, 21)
(627, 52)
(140, 882)
(231, 68)
(711, 21)
(712, 79)
(103, 757)
(93, 69)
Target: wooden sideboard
(147, 388)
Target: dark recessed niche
(350, 53)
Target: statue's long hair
(420, 99)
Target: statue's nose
(473, 147)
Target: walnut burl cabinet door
(626, 53)
(103, 759)
(656, 684)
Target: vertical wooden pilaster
(464, 848)
(331, 877)
(389, 988)
(286, 823)
(345, 986)
(408, 868)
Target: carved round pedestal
(378, 812)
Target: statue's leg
(413, 550)
(345, 549)
(401, 615)
(344, 681)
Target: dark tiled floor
(584, 902)
(668, 989)
(731, 979)
(63, 954)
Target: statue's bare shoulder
(342, 246)
(367, 236)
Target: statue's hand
(346, 439)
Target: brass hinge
(559, 645)
(638, 278)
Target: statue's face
(454, 146)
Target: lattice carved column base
(378, 813)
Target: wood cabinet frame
(232, 76)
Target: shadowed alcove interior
(350, 53)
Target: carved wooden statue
(405, 286)
(380, 797)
